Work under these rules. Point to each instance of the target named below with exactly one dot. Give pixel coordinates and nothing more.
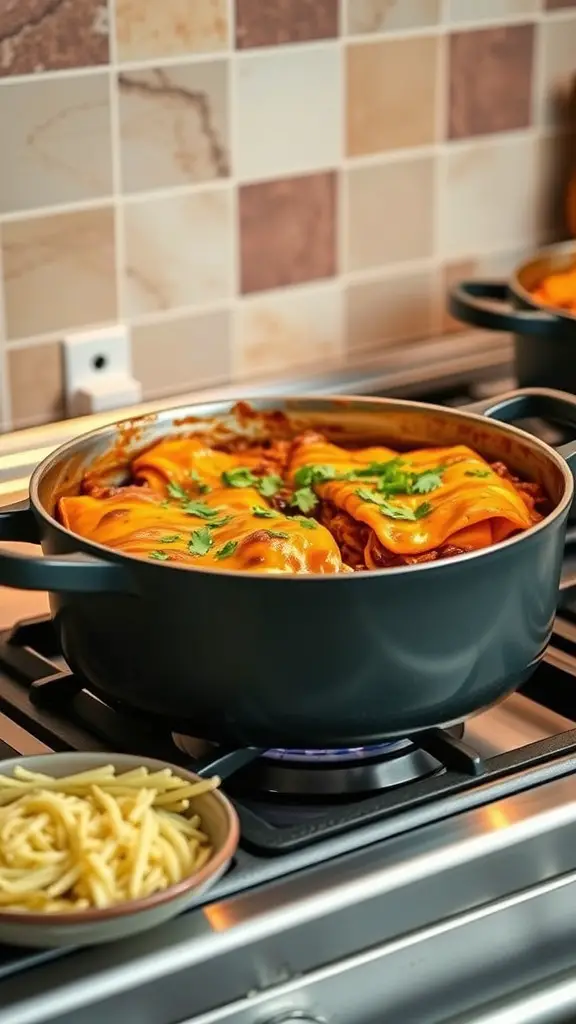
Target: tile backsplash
(255, 186)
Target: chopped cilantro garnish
(170, 538)
(240, 477)
(176, 491)
(200, 542)
(195, 476)
(159, 556)
(201, 509)
(228, 549)
(263, 513)
(270, 485)
(478, 472)
(304, 499)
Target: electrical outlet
(98, 371)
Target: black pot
(544, 339)
(304, 661)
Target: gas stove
(350, 863)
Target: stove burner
(328, 773)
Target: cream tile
(35, 384)
(472, 10)
(390, 212)
(174, 125)
(59, 272)
(183, 354)
(56, 142)
(391, 309)
(367, 16)
(166, 28)
(284, 330)
(382, 113)
(178, 251)
(289, 111)
(488, 198)
(558, 62)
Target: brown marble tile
(381, 113)
(166, 28)
(44, 35)
(284, 21)
(490, 81)
(35, 384)
(287, 231)
(59, 272)
(557, 5)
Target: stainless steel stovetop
(418, 883)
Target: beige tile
(59, 272)
(488, 198)
(287, 329)
(459, 11)
(183, 354)
(167, 28)
(366, 16)
(558, 67)
(178, 251)
(381, 113)
(174, 125)
(35, 384)
(390, 212)
(289, 111)
(391, 309)
(56, 142)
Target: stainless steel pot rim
(181, 412)
(561, 248)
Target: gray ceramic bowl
(88, 927)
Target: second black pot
(544, 339)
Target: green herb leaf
(176, 491)
(165, 504)
(308, 524)
(202, 487)
(263, 513)
(270, 485)
(228, 549)
(200, 542)
(426, 482)
(214, 523)
(201, 509)
(304, 499)
(398, 511)
(159, 556)
(308, 475)
(278, 533)
(478, 472)
(240, 477)
(170, 538)
(384, 469)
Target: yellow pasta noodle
(96, 838)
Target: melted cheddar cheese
(188, 503)
(471, 507)
(229, 528)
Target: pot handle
(77, 573)
(469, 302)
(526, 402)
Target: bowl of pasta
(97, 847)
